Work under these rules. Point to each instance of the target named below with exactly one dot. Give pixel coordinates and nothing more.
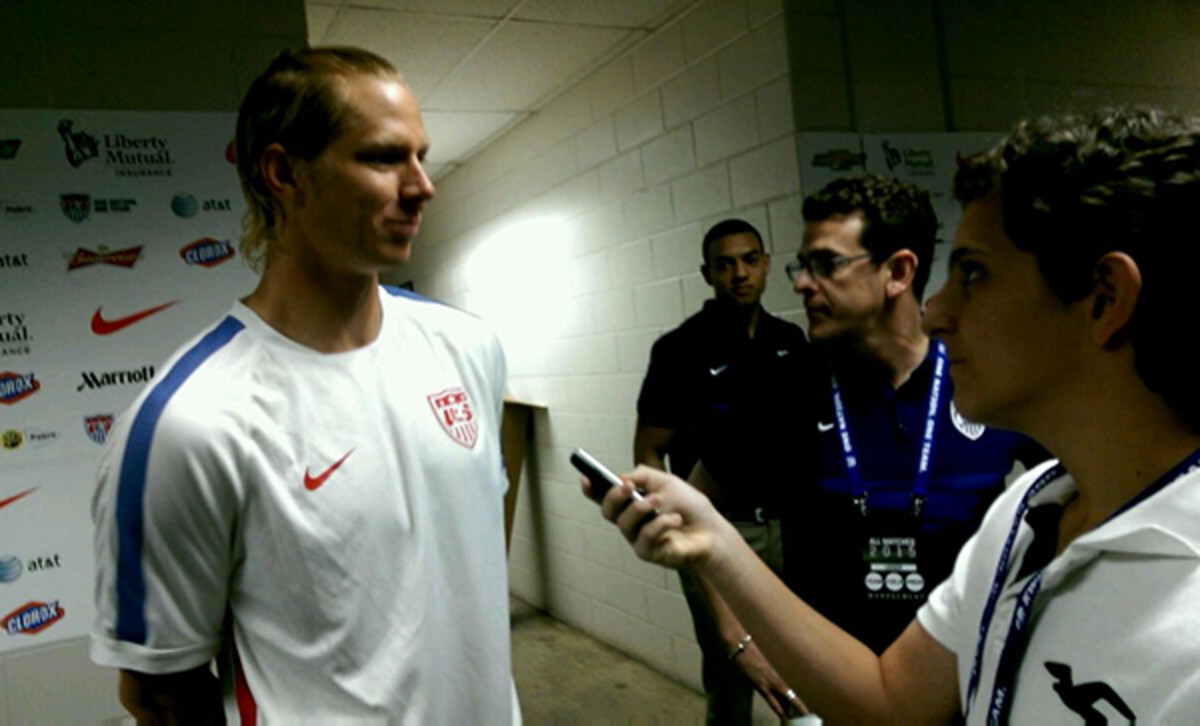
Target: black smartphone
(601, 477)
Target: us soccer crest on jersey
(453, 410)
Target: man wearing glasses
(900, 479)
(885, 494)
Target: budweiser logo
(127, 257)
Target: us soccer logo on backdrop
(76, 207)
(453, 411)
(97, 427)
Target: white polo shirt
(329, 525)
(1115, 628)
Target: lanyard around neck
(1017, 639)
(858, 485)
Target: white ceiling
(481, 66)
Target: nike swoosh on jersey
(823, 427)
(718, 370)
(100, 326)
(5, 502)
(313, 483)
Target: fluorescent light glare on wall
(518, 281)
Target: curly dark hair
(896, 216)
(1075, 187)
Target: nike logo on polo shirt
(5, 502)
(823, 427)
(100, 326)
(313, 483)
(718, 370)
(782, 352)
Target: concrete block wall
(946, 65)
(1011, 60)
(630, 167)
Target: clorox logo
(32, 618)
(17, 386)
(207, 252)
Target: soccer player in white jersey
(311, 496)
(1067, 315)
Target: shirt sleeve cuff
(113, 653)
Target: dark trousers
(729, 693)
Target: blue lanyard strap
(1013, 652)
(1017, 639)
(989, 608)
(858, 486)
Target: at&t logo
(187, 206)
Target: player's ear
(1118, 285)
(901, 270)
(704, 272)
(279, 174)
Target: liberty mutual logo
(125, 155)
(80, 146)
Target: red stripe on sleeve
(247, 707)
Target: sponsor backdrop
(928, 160)
(118, 242)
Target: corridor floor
(566, 677)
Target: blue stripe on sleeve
(131, 488)
(409, 294)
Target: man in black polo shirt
(715, 392)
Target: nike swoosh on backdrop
(5, 502)
(100, 326)
(313, 483)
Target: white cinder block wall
(577, 234)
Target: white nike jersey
(330, 527)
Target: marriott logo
(95, 381)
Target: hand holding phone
(601, 477)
